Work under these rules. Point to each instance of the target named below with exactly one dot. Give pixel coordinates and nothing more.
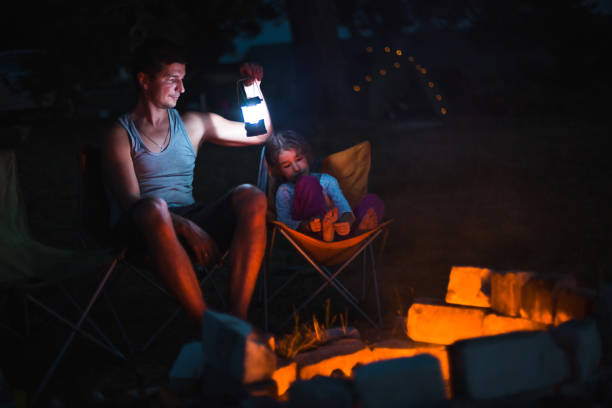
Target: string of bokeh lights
(421, 71)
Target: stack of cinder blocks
(510, 332)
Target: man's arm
(118, 167)
(210, 127)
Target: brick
(340, 355)
(284, 375)
(235, 351)
(401, 382)
(497, 324)
(469, 286)
(582, 344)
(506, 289)
(573, 303)
(506, 364)
(432, 322)
(186, 371)
(321, 392)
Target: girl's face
(293, 165)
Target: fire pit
(496, 334)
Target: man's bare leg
(168, 255)
(248, 246)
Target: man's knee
(150, 212)
(249, 200)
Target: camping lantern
(253, 110)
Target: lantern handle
(239, 82)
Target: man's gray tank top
(169, 173)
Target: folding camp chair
(27, 265)
(95, 231)
(329, 259)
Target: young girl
(313, 203)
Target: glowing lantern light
(438, 97)
(396, 64)
(253, 110)
(368, 78)
(443, 111)
(423, 71)
(382, 72)
(369, 49)
(356, 88)
(430, 84)
(398, 53)
(387, 49)
(411, 58)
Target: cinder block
(506, 289)
(401, 382)
(391, 349)
(321, 392)
(432, 322)
(573, 303)
(186, 371)
(496, 366)
(235, 351)
(284, 375)
(582, 344)
(538, 297)
(496, 324)
(469, 286)
(340, 355)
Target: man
(149, 157)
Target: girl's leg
(368, 213)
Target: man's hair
(285, 140)
(153, 54)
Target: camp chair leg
(75, 329)
(364, 267)
(122, 329)
(90, 321)
(376, 292)
(332, 278)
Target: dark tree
(84, 41)
(323, 86)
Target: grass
(306, 336)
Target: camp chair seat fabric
(328, 253)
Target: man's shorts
(217, 219)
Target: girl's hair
(285, 140)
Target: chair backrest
(94, 206)
(351, 167)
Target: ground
(527, 193)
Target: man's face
(165, 88)
(293, 165)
